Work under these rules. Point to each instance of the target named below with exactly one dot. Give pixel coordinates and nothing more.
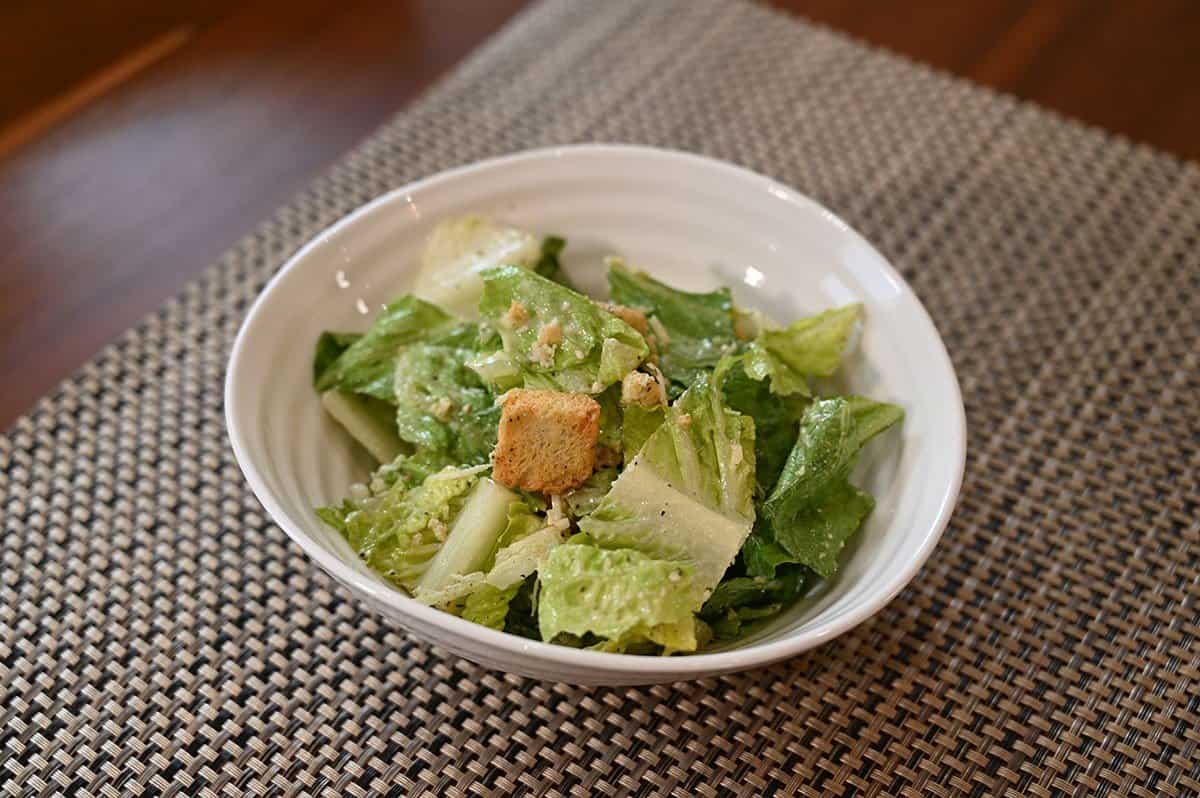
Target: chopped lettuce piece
(663, 638)
(470, 544)
(609, 592)
(638, 424)
(521, 619)
(776, 421)
(698, 327)
(610, 417)
(688, 494)
(811, 347)
(814, 510)
(517, 561)
(330, 346)
(587, 497)
(488, 606)
(457, 253)
(396, 523)
(549, 266)
(366, 365)
(553, 337)
(444, 405)
(748, 591)
(368, 420)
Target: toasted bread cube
(547, 440)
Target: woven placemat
(159, 635)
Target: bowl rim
(516, 647)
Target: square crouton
(547, 440)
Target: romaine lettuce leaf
(457, 253)
(397, 522)
(548, 264)
(553, 337)
(442, 404)
(609, 592)
(611, 418)
(688, 495)
(776, 421)
(587, 497)
(521, 619)
(470, 545)
(368, 420)
(488, 606)
(638, 424)
(517, 561)
(330, 346)
(664, 638)
(366, 365)
(811, 347)
(699, 327)
(814, 510)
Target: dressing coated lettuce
(698, 327)
(811, 347)
(554, 337)
(814, 510)
(688, 493)
(703, 518)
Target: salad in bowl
(656, 471)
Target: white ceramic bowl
(691, 221)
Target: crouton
(547, 440)
(631, 316)
(644, 390)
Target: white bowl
(691, 221)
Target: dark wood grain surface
(139, 140)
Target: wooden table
(139, 140)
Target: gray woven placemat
(159, 635)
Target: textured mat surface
(159, 635)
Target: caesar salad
(650, 473)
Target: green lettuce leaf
(587, 497)
(549, 266)
(460, 250)
(444, 405)
(488, 606)
(638, 424)
(470, 545)
(397, 522)
(596, 348)
(330, 346)
(370, 421)
(776, 422)
(521, 619)
(811, 347)
(699, 327)
(366, 366)
(611, 417)
(608, 592)
(814, 510)
(688, 495)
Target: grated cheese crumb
(542, 354)
(442, 408)
(516, 317)
(550, 333)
